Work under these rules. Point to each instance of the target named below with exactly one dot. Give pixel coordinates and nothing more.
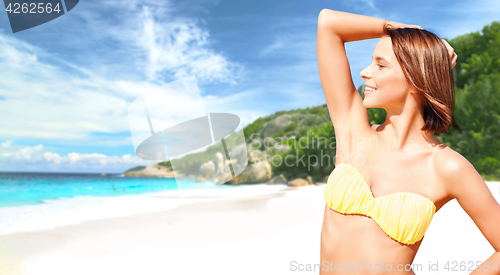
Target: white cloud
(51, 98)
(279, 43)
(38, 158)
(166, 45)
(7, 143)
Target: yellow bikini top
(403, 216)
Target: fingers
(397, 25)
(448, 46)
(451, 53)
(454, 60)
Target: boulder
(218, 161)
(278, 179)
(238, 158)
(208, 169)
(255, 172)
(269, 142)
(298, 182)
(275, 126)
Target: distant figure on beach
(390, 179)
(114, 189)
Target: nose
(366, 72)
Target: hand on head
(397, 25)
(451, 51)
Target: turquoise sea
(35, 201)
(17, 189)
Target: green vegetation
(137, 168)
(311, 152)
(307, 134)
(477, 91)
(252, 128)
(166, 164)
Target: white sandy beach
(269, 229)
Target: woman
(390, 179)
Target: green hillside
(477, 90)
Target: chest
(404, 216)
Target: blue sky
(65, 86)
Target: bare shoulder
(464, 184)
(450, 164)
(454, 170)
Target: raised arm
(344, 102)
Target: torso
(351, 240)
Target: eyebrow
(381, 58)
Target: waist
(369, 268)
(349, 239)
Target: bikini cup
(403, 216)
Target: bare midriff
(355, 244)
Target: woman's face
(385, 75)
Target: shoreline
(249, 233)
(228, 222)
(78, 209)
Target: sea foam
(68, 211)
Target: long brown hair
(427, 67)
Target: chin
(367, 104)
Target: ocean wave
(68, 211)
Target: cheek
(392, 86)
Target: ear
(414, 92)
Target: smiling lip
(369, 89)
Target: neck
(402, 127)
